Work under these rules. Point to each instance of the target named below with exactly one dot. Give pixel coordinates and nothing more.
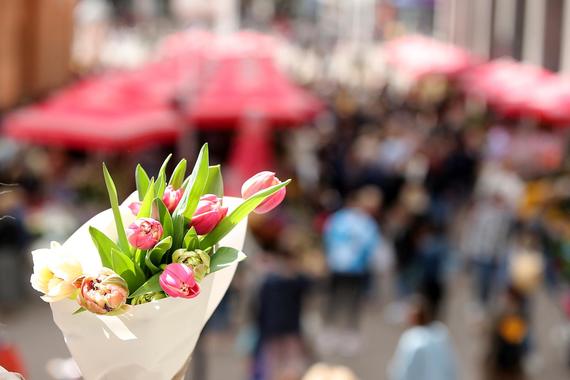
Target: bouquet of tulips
(131, 302)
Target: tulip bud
(172, 197)
(208, 214)
(197, 259)
(144, 233)
(177, 280)
(103, 293)
(135, 207)
(148, 297)
(262, 181)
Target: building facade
(533, 31)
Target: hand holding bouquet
(132, 289)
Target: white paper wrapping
(152, 341)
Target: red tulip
(208, 214)
(172, 197)
(261, 181)
(135, 207)
(144, 233)
(177, 280)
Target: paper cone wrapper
(152, 341)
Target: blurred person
(486, 232)
(321, 371)
(14, 241)
(351, 238)
(452, 173)
(433, 249)
(438, 178)
(280, 352)
(525, 263)
(508, 337)
(424, 350)
(500, 178)
(406, 244)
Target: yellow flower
(55, 269)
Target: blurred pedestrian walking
(351, 239)
(486, 238)
(424, 350)
(509, 337)
(280, 351)
(433, 250)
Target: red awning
(550, 102)
(224, 79)
(109, 112)
(242, 86)
(521, 90)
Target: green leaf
(148, 263)
(178, 224)
(162, 170)
(215, 183)
(150, 286)
(138, 258)
(126, 268)
(195, 186)
(165, 217)
(225, 257)
(104, 245)
(112, 190)
(146, 205)
(191, 240)
(178, 175)
(160, 184)
(80, 310)
(154, 256)
(185, 183)
(142, 181)
(240, 212)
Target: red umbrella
(419, 56)
(550, 101)
(506, 84)
(239, 86)
(109, 112)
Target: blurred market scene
(426, 233)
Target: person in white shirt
(424, 350)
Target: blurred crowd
(399, 186)
(422, 188)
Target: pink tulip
(144, 233)
(208, 214)
(172, 197)
(177, 280)
(262, 181)
(135, 207)
(103, 293)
